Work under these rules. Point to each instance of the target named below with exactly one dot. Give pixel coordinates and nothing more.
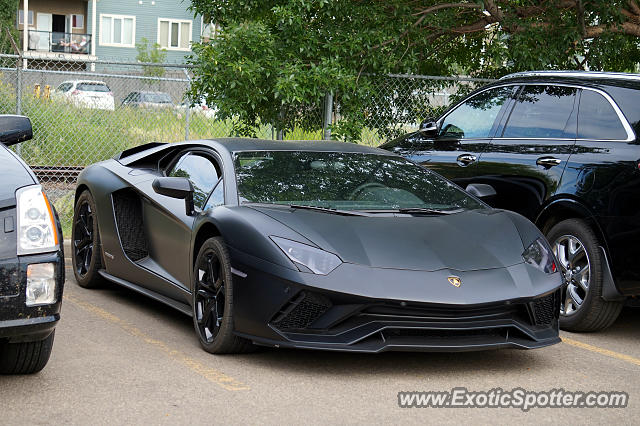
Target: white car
(199, 108)
(87, 94)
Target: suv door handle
(548, 162)
(464, 160)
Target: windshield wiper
(329, 210)
(413, 210)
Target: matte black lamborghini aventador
(320, 245)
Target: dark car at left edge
(31, 259)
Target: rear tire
(86, 251)
(213, 301)
(25, 357)
(578, 251)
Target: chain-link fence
(87, 112)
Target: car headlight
(36, 228)
(539, 255)
(313, 259)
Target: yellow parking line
(211, 374)
(602, 351)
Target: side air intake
(127, 208)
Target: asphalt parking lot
(120, 358)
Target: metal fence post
(19, 94)
(328, 116)
(19, 86)
(187, 110)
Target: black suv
(563, 149)
(31, 259)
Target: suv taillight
(75, 92)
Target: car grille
(301, 311)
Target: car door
(463, 134)
(526, 158)
(603, 173)
(166, 218)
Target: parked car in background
(561, 148)
(200, 108)
(148, 100)
(31, 259)
(86, 94)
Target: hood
(467, 241)
(14, 174)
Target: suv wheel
(25, 357)
(577, 250)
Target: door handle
(464, 160)
(548, 162)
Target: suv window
(476, 116)
(597, 119)
(93, 87)
(64, 87)
(202, 173)
(543, 112)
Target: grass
(65, 135)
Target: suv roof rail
(575, 74)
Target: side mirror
(14, 129)
(429, 128)
(176, 187)
(481, 190)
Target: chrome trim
(627, 127)
(575, 74)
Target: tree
(275, 60)
(8, 30)
(151, 54)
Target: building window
(77, 22)
(174, 34)
(21, 17)
(117, 30)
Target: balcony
(56, 42)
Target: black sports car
(321, 245)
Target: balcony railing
(50, 41)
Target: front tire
(578, 252)
(85, 242)
(25, 357)
(213, 300)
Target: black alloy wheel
(85, 239)
(213, 300)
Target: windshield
(158, 98)
(346, 181)
(93, 87)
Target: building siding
(146, 26)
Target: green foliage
(151, 54)
(8, 19)
(275, 60)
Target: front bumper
(283, 308)
(19, 322)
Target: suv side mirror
(481, 190)
(14, 129)
(176, 187)
(429, 127)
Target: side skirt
(182, 307)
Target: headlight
(317, 261)
(539, 254)
(36, 229)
